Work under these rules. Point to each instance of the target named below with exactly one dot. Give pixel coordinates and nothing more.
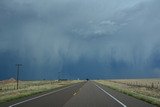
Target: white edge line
(111, 96)
(39, 96)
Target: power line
(18, 66)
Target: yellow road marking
(74, 93)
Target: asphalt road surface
(86, 94)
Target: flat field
(144, 89)
(8, 88)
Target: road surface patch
(111, 96)
(13, 105)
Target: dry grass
(9, 92)
(144, 89)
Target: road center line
(110, 95)
(40, 96)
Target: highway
(85, 94)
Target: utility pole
(18, 66)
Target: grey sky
(56, 32)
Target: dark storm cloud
(48, 36)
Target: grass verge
(29, 88)
(130, 91)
